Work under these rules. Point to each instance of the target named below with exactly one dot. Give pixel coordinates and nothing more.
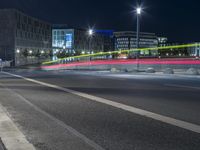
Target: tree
(25, 53)
(38, 54)
(63, 54)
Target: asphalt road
(54, 119)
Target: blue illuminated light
(68, 40)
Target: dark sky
(179, 20)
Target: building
(162, 41)
(72, 41)
(194, 51)
(23, 39)
(126, 40)
(108, 38)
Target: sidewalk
(1, 145)
(12, 138)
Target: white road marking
(175, 122)
(60, 123)
(182, 86)
(11, 136)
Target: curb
(2, 147)
(12, 138)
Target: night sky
(179, 20)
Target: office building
(194, 51)
(162, 41)
(126, 40)
(23, 39)
(73, 41)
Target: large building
(194, 51)
(23, 39)
(126, 40)
(73, 41)
(162, 41)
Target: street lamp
(90, 32)
(17, 56)
(30, 52)
(18, 51)
(138, 12)
(42, 52)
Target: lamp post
(138, 13)
(17, 57)
(90, 32)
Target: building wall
(7, 37)
(127, 40)
(194, 51)
(162, 41)
(26, 39)
(31, 35)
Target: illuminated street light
(90, 32)
(139, 10)
(42, 52)
(18, 51)
(30, 52)
(16, 58)
(138, 13)
(83, 52)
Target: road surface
(70, 110)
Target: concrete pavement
(1, 145)
(39, 110)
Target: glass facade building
(78, 41)
(63, 38)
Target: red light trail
(126, 62)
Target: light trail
(126, 62)
(123, 51)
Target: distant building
(74, 41)
(126, 40)
(23, 39)
(108, 39)
(162, 41)
(194, 51)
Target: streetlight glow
(139, 10)
(30, 52)
(90, 32)
(18, 51)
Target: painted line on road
(60, 123)
(175, 122)
(182, 86)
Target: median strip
(171, 121)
